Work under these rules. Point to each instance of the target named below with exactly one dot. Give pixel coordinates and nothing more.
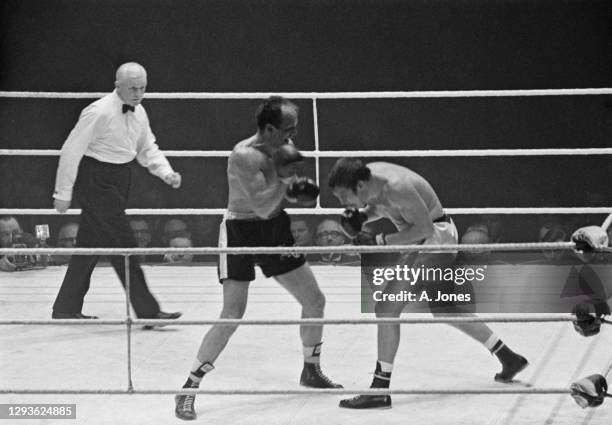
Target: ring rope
(561, 317)
(324, 95)
(337, 391)
(360, 153)
(516, 246)
(318, 211)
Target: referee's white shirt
(105, 133)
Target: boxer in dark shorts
(261, 174)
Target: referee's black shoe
(58, 315)
(163, 316)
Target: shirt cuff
(63, 195)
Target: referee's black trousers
(102, 191)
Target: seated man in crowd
(475, 234)
(11, 236)
(66, 238)
(330, 233)
(179, 242)
(301, 231)
(142, 235)
(174, 228)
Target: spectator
(553, 232)
(66, 238)
(179, 242)
(174, 228)
(141, 231)
(11, 236)
(142, 235)
(301, 231)
(495, 228)
(9, 231)
(475, 234)
(330, 233)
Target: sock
(493, 343)
(497, 347)
(382, 375)
(312, 354)
(198, 370)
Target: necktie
(126, 108)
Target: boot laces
(188, 402)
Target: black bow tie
(126, 108)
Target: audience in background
(66, 238)
(301, 231)
(475, 234)
(9, 230)
(179, 242)
(142, 235)
(12, 236)
(174, 228)
(330, 233)
(554, 232)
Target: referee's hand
(173, 180)
(61, 206)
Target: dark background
(348, 45)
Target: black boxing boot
(383, 401)
(512, 363)
(312, 375)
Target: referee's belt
(443, 218)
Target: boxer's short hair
(347, 172)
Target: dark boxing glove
(352, 220)
(302, 190)
(286, 159)
(590, 391)
(367, 238)
(589, 316)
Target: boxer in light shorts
(384, 190)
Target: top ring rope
(324, 95)
(361, 153)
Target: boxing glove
(589, 391)
(302, 190)
(352, 220)
(286, 159)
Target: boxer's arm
(264, 197)
(414, 211)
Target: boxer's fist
(302, 190)
(367, 238)
(173, 179)
(589, 391)
(589, 238)
(286, 160)
(352, 220)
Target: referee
(94, 161)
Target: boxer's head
(349, 180)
